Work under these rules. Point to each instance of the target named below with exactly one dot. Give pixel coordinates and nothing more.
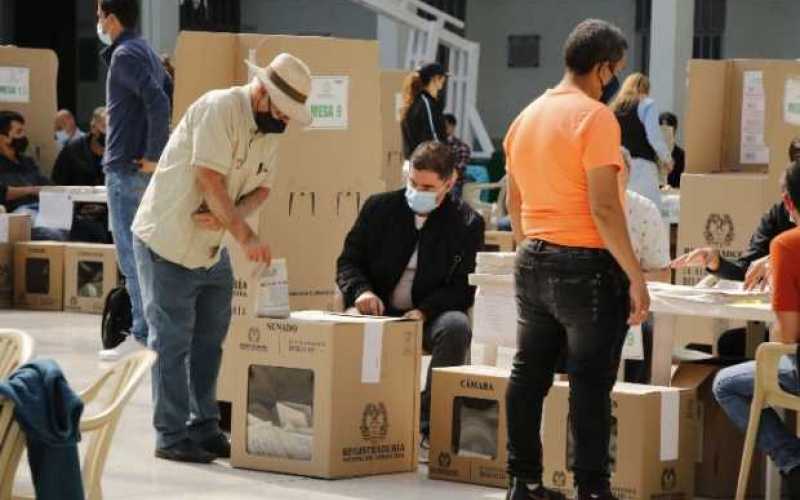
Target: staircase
(425, 35)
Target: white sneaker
(129, 346)
(423, 456)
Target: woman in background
(641, 136)
(422, 113)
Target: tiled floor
(133, 473)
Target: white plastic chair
(16, 349)
(126, 376)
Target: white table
(667, 309)
(56, 203)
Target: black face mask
(610, 89)
(19, 145)
(268, 124)
(101, 140)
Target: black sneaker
(219, 445)
(521, 490)
(186, 451)
(793, 483)
(596, 495)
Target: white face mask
(104, 37)
(62, 137)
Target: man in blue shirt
(137, 100)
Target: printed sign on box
(15, 84)
(328, 102)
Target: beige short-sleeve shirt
(217, 132)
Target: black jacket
(773, 223)
(22, 174)
(679, 165)
(77, 165)
(424, 121)
(380, 244)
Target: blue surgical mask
(421, 202)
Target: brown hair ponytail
(412, 87)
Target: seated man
(66, 128)
(80, 163)
(733, 386)
(20, 178)
(752, 266)
(419, 228)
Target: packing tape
(670, 424)
(373, 349)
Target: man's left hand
(415, 314)
(207, 220)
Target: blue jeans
(41, 233)
(125, 191)
(733, 389)
(188, 312)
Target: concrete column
(390, 38)
(160, 24)
(671, 39)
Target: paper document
(55, 210)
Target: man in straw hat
(217, 169)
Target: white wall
(762, 29)
(340, 18)
(504, 91)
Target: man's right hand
(640, 302)
(370, 304)
(256, 251)
(702, 257)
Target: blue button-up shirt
(138, 92)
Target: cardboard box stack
(326, 395)
(13, 229)
(39, 275)
(90, 273)
(741, 116)
(468, 425)
(29, 88)
(719, 442)
(653, 441)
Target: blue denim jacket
(49, 413)
(138, 92)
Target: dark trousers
(447, 337)
(573, 301)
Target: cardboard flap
(36, 100)
(705, 115)
(692, 376)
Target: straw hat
(288, 81)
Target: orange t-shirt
(549, 148)
(784, 254)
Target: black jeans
(447, 337)
(573, 301)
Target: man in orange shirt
(578, 282)
(733, 386)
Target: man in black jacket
(80, 163)
(410, 253)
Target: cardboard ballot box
(90, 273)
(13, 228)
(39, 275)
(468, 425)
(326, 395)
(653, 442)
